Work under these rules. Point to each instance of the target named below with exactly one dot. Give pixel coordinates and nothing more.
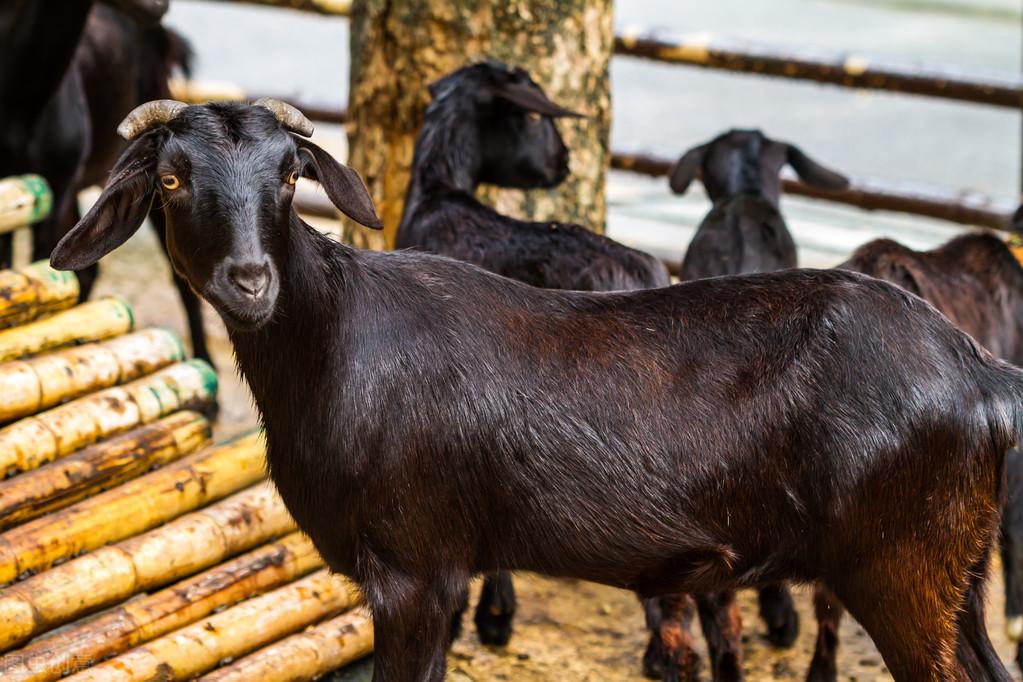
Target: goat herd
(432, 417)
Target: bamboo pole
(192, 650)
(142, 620)
(132, 507)
(28, 386)
(306, 656)
(91, 321)
(33, 291)
(108, 575)
(331, 7)
(62, 483)
(34, 441)
(24, 199)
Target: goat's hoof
(690, 672)
(653, 659)
(822, 670)
(728, 669)
(1019, 656)
(494, 629)
(783, 633)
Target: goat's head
(749, 162)
(518, 142)
(225, 175)
(143, 10)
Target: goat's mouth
(238, 313)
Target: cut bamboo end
(34, 441)
(179, 605)
(91, 321)
(24, 199)
(104, 465)
(132, 507)
(197, 648)
(188, 544)
(34, 291)
(307, 655)
(28, 386)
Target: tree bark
(398, 47)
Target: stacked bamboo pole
(24, 199)
(111, 497)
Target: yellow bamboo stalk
(33, 291)
(91, 321)
(192, 650)
(111, 574)
(132, 507)
(31, 442)
(144, 619)
(307, 655)
(100, 466)
(28, 386)
(24, 199)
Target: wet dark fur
(471, 135)
(69, 72)
(428, 420)
(744, 232)
(978, 284)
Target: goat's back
(741, 234)
(973, 279)
(550, 255)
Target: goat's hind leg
(829, 611)
(680, 662)
(778, 612)
(977, 657)
(495, 610)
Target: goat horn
(293, 119)
(145, 116)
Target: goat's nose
(251, 278)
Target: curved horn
(145, 116)
(293, 119)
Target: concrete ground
(579, 631)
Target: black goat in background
(69, 72)
(491, 123)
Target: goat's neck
(447, 157)
(39, 43)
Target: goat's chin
(241, 317)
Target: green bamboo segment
(34, 291)
(34, 441)
(100, 466)
(91, 321)
(111, 574)
(28, 386)
(24, 199)
(306, 656)
(192, 650)
(132, 507)
(144, 619)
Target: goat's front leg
(411, 626)
(681, 662)
(829, 610)
(496, 609)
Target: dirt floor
(565, 630)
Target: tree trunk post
(398, 47)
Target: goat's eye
(533, 117)
(170, 181)
(293, 178)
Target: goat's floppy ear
(343, 185)
(813, 173)
(1016, 221)
(119, 211)
(531, 98)
(685, 169)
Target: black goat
(491, 123)
(744, 233)
(427, 420)
(69, 72)
(978, 284)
